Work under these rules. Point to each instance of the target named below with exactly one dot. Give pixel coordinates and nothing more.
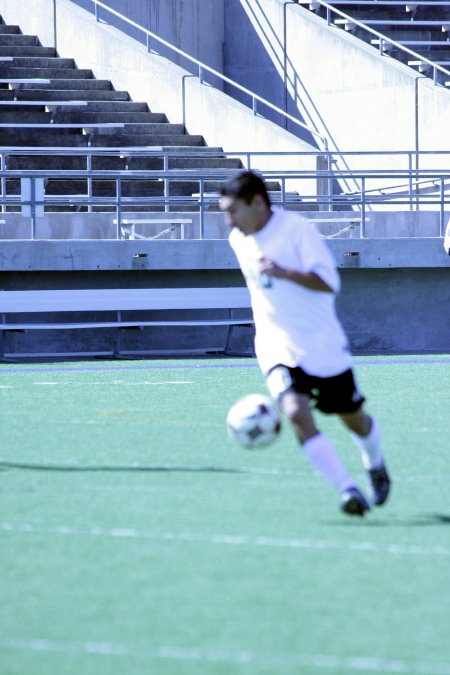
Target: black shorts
(332, 395)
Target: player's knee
(293, 407)
(297, 410)
(359, 422)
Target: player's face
(246, 217)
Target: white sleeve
(316, 256)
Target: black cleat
(380, 485)
(353, 502)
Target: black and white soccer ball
(254, 421)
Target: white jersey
(295, 326)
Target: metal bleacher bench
(16, 308)
(128, 227)
(353, 222)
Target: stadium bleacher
(46, 101)
(421, 27)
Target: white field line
(234, 656)
(122, 383)
(231, 539)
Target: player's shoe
(353, 502)
(380, 485)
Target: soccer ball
(253, 421)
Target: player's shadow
(421, 520)
(120, 468)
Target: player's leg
(322, 453)
(367, 436)
(318, 448)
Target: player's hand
(269, 267)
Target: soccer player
(300, 344)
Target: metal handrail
(203, 198)
(203, 67)
(383, 38)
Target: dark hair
(245, 186)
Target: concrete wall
(394, 297)
(363, 100)
(194, 26)
(215, 254)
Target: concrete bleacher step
(71, 84)
(152, 129)
(4, 29)
(105, 188)
(45, 73)
(94, 95)
(434, 55)
(112, 116)
(130, 140)
(141, 123)
(112, 107)
(66, 163)
(25, 117)
(31, 62)
(116, 163)
(393, 13)
(133, 188)
(136, 112)
(201, 162)
(18, 40)
(419, 46)
(75, 138)
(417, 34)
(41, 138)
(26, 50)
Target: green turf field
(137, 539)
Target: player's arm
(309, 280)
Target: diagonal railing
(203, 68)
(330, 10)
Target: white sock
(370, 447)
(323, 456)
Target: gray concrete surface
(395, 295)
(213, 254)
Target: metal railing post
(118, 208)
(202, 211)
(362, 233)
(410, 181)
(166, 182)
(322, 167)
(89, 182)
(3, 164)
(55, 30)
(33, 208)
(442, 208)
